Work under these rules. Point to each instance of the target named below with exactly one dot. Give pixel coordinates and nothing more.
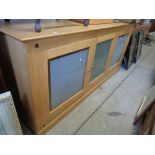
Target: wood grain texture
(148, 121)
(94, 21)
(18, 56)
(24, 31)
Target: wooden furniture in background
(93, 21)
(146, 112)
(129, 57)
(134, 48)
(145, 25)
(60, 66)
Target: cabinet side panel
(17, 52)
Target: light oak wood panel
(95, 21)
(18, 54)
(25, 31)
(56, 41)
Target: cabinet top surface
(23, 30)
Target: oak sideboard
(60, 66)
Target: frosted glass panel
(67, 76)
(100, 59)
(118, 49)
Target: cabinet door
(100, 58)
(118, 49)
(67, 75)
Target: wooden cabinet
(59, 67)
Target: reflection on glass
(100, 59)
(67, 76)
(118, 49)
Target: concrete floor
(112, 107)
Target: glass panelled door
(118, 49)
(67, 74)
(100, 58)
